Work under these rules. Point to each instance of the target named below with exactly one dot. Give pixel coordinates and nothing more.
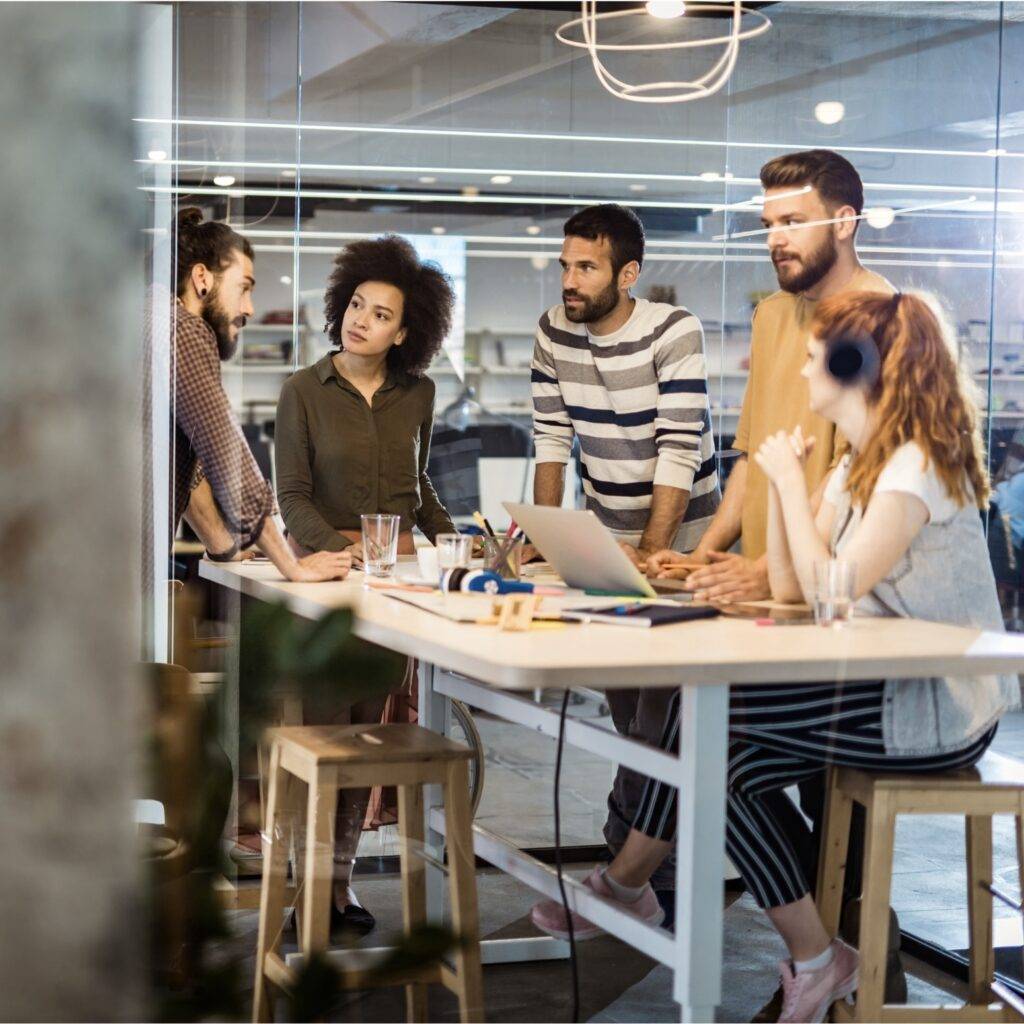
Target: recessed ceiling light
(224, 180)
(501, 179)
(285, 279)
(533, 229)
(437, 230)
(470, 190)
(880, 217)
(666, 8)
(428, 179)
(638, 186)
(156, 155)
(289, 173)
(988, 152)
(539, 262)
(830, 111)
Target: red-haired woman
(902, 509)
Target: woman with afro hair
(352, 437)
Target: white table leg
(700, 850)
(433, 714)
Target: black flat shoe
(353, 922)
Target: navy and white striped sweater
(637, 400)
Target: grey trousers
(640, 715)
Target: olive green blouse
(338, 458)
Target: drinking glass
(833, 593)
(380, 544)
(454, 551)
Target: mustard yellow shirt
(777, 399)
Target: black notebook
(642, 614)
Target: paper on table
(474, 607)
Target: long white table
(484, 667)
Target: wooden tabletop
(705, 651)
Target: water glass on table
(833, 592)
(380, 544)
(454, 551)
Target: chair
(329, 758)
(994, 786)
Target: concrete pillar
(70, 316)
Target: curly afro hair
(427, 294)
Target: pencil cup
(503, 555)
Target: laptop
(581, 549)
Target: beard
(812, 268)
(220, 323)
(591, 309)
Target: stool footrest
(277, 972)
(894, 1013)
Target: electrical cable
(558, 862)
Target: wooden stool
(328, 758)
(994, 786)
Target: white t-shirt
(904, 472)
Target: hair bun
(190, 216)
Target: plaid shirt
(207, 439)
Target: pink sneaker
(549, 915)
(807, 997)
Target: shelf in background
(271, 328)
(277, 368)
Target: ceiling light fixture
(468, 133)
(470, 191)
(877, 186)
(501, 179)
(880, 217)
(533, 229)
(289, 172)
(760, 200)
(427, 179)
(829, 111)
(497, 200)
(437, 230)
(637, 187)
(224, 180)
(663, 92)
(666, 9)
(966, 201)
(157, 155)
(285, 279)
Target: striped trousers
(780, 736)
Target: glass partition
(471, 131)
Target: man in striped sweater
(627, 378)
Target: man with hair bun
(218, 487)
